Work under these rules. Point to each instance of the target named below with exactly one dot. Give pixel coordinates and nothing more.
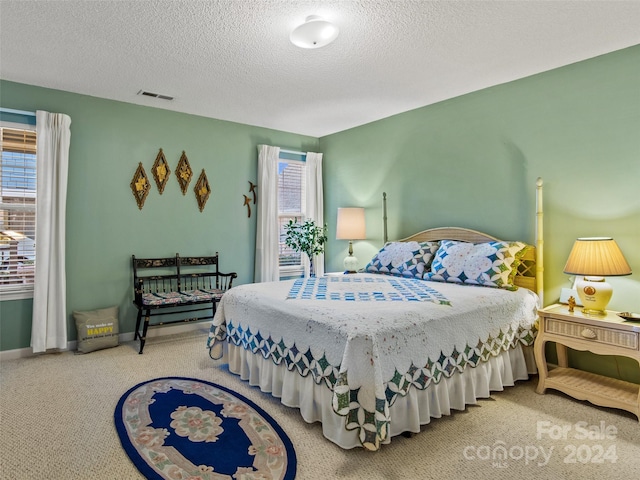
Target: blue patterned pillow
(491, 264)
(403, 259)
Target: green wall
(470, 161)
(105, 226)
(473, 161)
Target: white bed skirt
(407, 413)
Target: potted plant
(306, 237)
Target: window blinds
(17, 208)
(291, 205)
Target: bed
(380, 353)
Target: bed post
(539, 243)
(384, 217)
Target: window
(17, 210)
(291, 206)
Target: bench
(176, 286)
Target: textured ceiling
(232, 59)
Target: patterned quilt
(351, 288)
(368, 342)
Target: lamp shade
(351, 224)
(597, 257)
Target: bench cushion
(176, 298)
(168, 298)
(205, 294)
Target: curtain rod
(284, 150)
(17, 112)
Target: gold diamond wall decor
(161, 171)
(203, 190)
(184, 173)
(140, 185)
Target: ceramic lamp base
(350, 264)
(595, 294)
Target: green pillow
(97, 329)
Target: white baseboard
(122, 338)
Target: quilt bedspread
(367, 344)
(374, 288)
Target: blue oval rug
(178, 427)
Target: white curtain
(49, 323)
(315, 209)
(267, 231)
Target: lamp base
(595, 294)
(351, 264)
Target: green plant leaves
(306, 237)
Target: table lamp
(350, 227)
(593, 258)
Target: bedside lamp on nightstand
(350, 227)
(592, 259)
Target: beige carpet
(56, 422)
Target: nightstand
(600, 334)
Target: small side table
(600, 334)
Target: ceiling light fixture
(315, 32)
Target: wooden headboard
(530, 271)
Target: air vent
(154, 95)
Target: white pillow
(403, 259)
(491, 264)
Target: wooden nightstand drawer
(608, 336)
